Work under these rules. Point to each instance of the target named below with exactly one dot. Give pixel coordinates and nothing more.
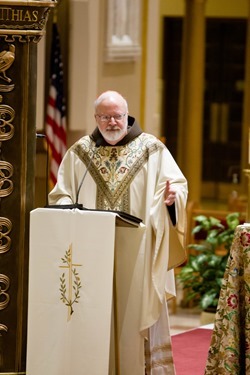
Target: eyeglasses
(106, 118)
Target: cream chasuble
(132, 178)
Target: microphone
(123, 215)
(39, 135)
(77, 205)
(97, 145)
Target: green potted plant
(201, 277)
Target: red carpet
(190, 350)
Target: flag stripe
(55, 126)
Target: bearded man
(132, 171)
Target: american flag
(55, 126)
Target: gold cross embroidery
(74, 282)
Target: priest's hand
(169, 194)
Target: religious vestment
(131, 177)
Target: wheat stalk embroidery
(70, 293)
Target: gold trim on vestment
(113, 168)
(166, 359)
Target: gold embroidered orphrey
(70, 294)
(114, 168)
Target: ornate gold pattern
(4, 328)
(160, 348)
(21, 36)
(24, 21)
(7, 58)
(21, 22)
(74, 282)
(7, 115)
(31, 3)
(161, 363)
(114, 168)
(164, 352)
(14, 373)
(22, 18)
(4, 296)
(6, 172)
(5, 229)
(7, 88)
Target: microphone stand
(97, 145)
(76, 204)
(83, 178)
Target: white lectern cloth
(61, 343)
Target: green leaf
(208, 274)
(203, 274)
(197, 229)
(208, 299)
(202, 247)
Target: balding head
(112, 97)
(111, 114)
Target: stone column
(22, 25)
(191, 97)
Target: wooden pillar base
(21, 27)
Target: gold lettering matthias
(18, 15)
(6, 172)
(5, 229)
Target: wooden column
(22, 25)
(191, 97)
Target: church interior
(184, 68)
(199, 109)
(185, 77)
(150, 78)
